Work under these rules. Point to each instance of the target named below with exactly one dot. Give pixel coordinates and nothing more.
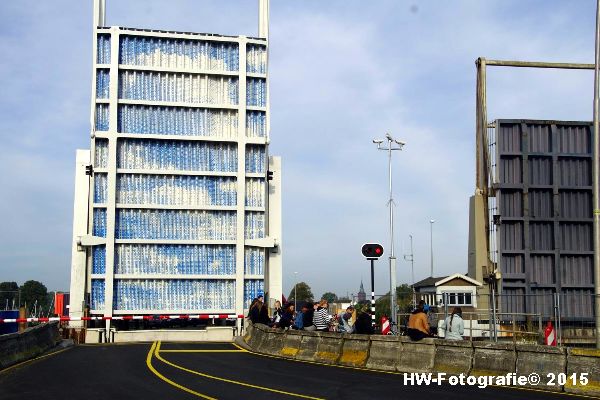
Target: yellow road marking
(157, 352)
(402, 373)
(241, 348)
(202, 351)
(32, 360)
(170, 382)
(322, 364)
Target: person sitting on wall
(307, 318)
(299, 317)
(253, 311)
(277, 313)
(432, 319)
(364, 323)
(418, 328)
(346, 324)
(258, 312)
(285, 322)
(263, 312)
(321, 316)
(454, 325)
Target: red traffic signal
(372, 250)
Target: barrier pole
(373, 293)
(470, 327)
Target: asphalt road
(214, 370)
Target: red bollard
(549, 335)
(385, 326)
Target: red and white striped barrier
(385, 326)
(550, 335)
(124, 318)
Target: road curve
(214, 371)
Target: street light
(393, 144)
(596, 176)
(431, 221)
(295, 284)
(411, 257)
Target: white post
(398, 146)
(99, 13)
(431, 243)
(295, 296)
(263, 19)
(392, 256)
(80, 228)
(596, 177)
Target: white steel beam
(99, 13)
(273, 274)
(241, 182)
(263, 19)
(80, 228)
(112, 174)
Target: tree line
(404, 299)
(32, 294)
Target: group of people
(423, 323)
(311, 317)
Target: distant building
(339, 306)
(361, 296)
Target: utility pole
(431, 243)
(295, 284)
(595, 177)
(411, 257)
(393, 144)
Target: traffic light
(372, 250)
(269, 175)
(89, 170)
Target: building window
(459, 299)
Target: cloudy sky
(342, 73)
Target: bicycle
(396, 330)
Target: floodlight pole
(595, 177)
(431, 221)
(411, 257)
(399, 144)
(295, 297)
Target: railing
(522, 317)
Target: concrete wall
(17, 347)
(210, 334)
(584, 361)
(400, 354)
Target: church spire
(362, 296)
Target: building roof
(458, 276)
(431, 281)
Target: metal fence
(523, 318)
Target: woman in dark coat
(307, 318)
(286, 318)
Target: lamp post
(393, 144)
(431, 221)
(295, 284)
(595, 177)
(411, 257)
